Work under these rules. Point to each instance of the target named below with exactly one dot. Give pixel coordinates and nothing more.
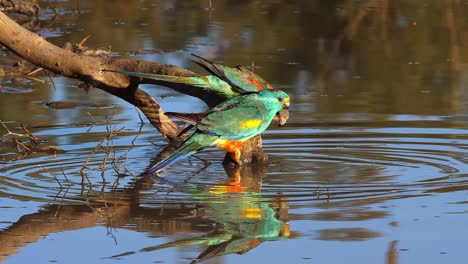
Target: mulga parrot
(225, 81)
(228, 124)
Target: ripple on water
(333, 163)
(358, 161)
(14, 90)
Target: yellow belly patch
(252, 213)
(251, 123)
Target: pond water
(372, 166)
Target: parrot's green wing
(237, 120)
(240, 78)
(189, 118)
(244, 77)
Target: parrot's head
(278, 101)
(277, 97)
(283, 98)
(283, 115)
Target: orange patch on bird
(233, 146)
(254, 82)
(227, 189)
(205, 79)
(251, 123)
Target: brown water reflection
(238, 221)
(371, 167)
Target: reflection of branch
(392, 253)
(119, 209)
(348, 33)
(384, 26)
(31, 228)
(454, 47)
(352, 27)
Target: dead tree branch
(88, 69)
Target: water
(370, 168)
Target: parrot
(227, 125)
(239, 78)
(225, 81)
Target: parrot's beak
(286, 103)
(283, 117)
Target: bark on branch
(38, 51)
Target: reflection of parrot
(228, 124)
(239, 233)
(243, 219)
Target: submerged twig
(53, 175)
(91, 117)
(61, 169)
(24, 149)
(32, 137)
(104, 145)
(139, 115)
(82, 49)
(9, 133)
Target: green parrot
(239, 78)
(226, 81)
(228, 124)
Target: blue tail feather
(178, 154)
(193, 144)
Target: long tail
(159, 77)
(209, 66)
(193, 144)
(217, 70)
(208, 83)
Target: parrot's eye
(280, 99)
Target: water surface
(371, 167)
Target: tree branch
(42, 53)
